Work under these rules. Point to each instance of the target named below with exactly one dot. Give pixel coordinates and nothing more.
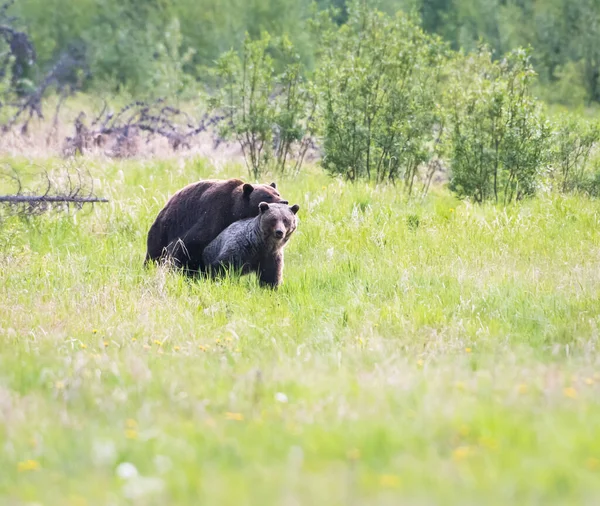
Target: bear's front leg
(270, 271)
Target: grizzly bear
(255, 244)
(198, 213)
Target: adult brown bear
(198, 213)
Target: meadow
(420, 351)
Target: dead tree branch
(54, 193)
(121, 133)
(23, 99)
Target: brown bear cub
(198, 213)
(255, 244)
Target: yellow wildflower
(522, 388)
(488, 442)
(570, 392)
(176, 348)
(105, 344)
(468, 350)
(76, 500)
(157, 342)
(28, 465)
(131, 434)
(461, 453)
(592, 463)
(420, 363)
(389, 481)
(95, 331)
(234, 416)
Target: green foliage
(567, 88)
(169, 78)
(295, 107)
(378, 79)
(122, 37)
(127, 43)
(7, 90)
(389, 102)
(573, 142)
(499, 138)
(246, 91)
(591, 184)
(269, 113)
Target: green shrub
(573, 142)
(268, 113)
(591, 184)
(378, 79)
(168, 77)
(499, 139)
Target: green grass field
(418, 353)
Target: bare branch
(137, 119)
(50, 196)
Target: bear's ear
(263, 206)
(295, 208)
(248, 189)
(273, 185)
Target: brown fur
(198, 213)
(255, 244)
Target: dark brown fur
(198, 213)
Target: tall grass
(426, 352)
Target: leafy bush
(591, 184)
(573, 142)
(567, 88)
(499, 139)
(269, 114)
(378, 79)
(169, 78)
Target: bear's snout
(279, 233)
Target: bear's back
(237, 244)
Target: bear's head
(277, 222)
(254, 194)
